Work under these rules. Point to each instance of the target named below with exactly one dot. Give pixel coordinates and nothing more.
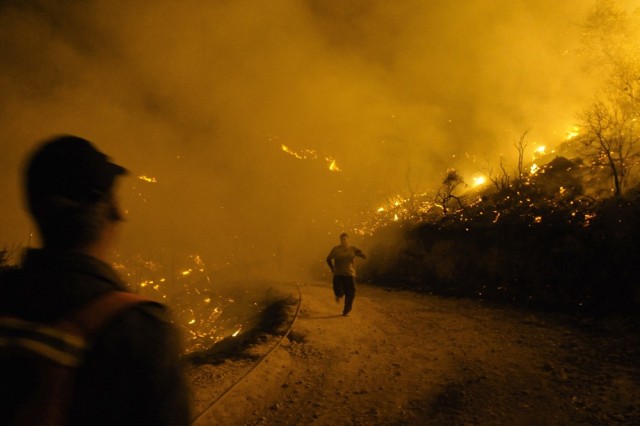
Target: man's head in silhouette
(70, 191)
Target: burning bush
(543, 244)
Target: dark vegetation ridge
(539, 242)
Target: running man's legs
(345, 285)
(350, 294)
(338, 286)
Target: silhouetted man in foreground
(342, 264)
(128, 372)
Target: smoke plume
(202, 96)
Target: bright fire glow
(541, 150)
(534, 168)
(479, 180)
(333, 166)
(573, 133)
(148, 179)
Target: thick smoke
(201, 95)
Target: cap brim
(117, 170)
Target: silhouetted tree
(611, 37)
(610, 133)
(609, 127)
(445, 194)
(502, 180)
(521, 145)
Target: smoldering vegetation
(540, 243)
(275, 319)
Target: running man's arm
(330, 261)
(360, 253)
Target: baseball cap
(70, 167)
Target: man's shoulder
(130, 307)
(335, 249)
(146, 326)
(154, 311)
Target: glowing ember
(148, 179)
(534, 168)
(310, 154)
(237, 332)
(381, 209)
(303, 155)
(538, 219)
(291, 152)
(198, 261)
(198, 310)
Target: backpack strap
(65, 341)
(60, 348)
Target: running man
(341, 261)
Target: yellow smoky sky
(201, 95)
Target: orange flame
(310, 154)
(148, 179)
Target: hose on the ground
(256, 365)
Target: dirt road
(407, 359)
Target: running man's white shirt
(343, 259)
